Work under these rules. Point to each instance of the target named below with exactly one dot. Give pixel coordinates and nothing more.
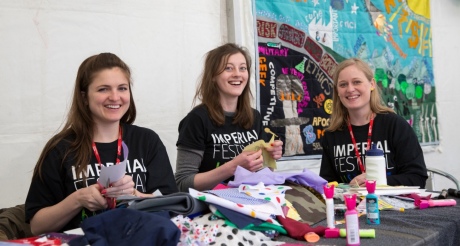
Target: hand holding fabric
(271, 151)
(275, 149)
(250, 160)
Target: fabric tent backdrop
(301, 42)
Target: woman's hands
(124, 186)
(275, 149)
(96, 197)
(254, 161)
(359, 180)
(250, 160)
(91, 198)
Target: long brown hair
(339, 111)
(78, 129)
(207, 90)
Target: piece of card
(112, 174)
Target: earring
(372, 89)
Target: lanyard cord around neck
(353, 140)
(96, 153)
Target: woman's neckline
(361, 120)
(230, 114)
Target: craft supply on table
(368, 233)
(443, 194)
(351, 220)
(372, 204)
(331, 231)
(422, 204)
(311, 237)
(375, 165)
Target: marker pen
(422, 204)
(369, 233)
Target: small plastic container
(372, 204)
(351, 220)
(376, 166)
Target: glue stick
(331, 231)
(351, 220)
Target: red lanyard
(369, 135)
(96, 153)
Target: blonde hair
(339, 111)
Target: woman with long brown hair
(99, 132)
(213, 135)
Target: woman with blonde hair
(359, 119)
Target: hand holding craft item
(261, 144)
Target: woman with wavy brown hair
(99, 132)
(213, 135)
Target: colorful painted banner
(301, 42)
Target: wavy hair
(208, 91)
(78, 129)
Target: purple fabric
(232, 194)
(266, 176)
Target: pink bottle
(351, 220)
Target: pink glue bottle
(331, 231)
(351, 220)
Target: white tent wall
(43, 42)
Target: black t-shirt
(147, 162)
(219, 143)
(392, 134)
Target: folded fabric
(297, 229)
(308, 203)
(240, 220)
(291, 212)
(261, 144)
(228, 235)
(272, 193)
(268, 177)
(128, 227)
(234, 195)
(176, 203)
(263, 211)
